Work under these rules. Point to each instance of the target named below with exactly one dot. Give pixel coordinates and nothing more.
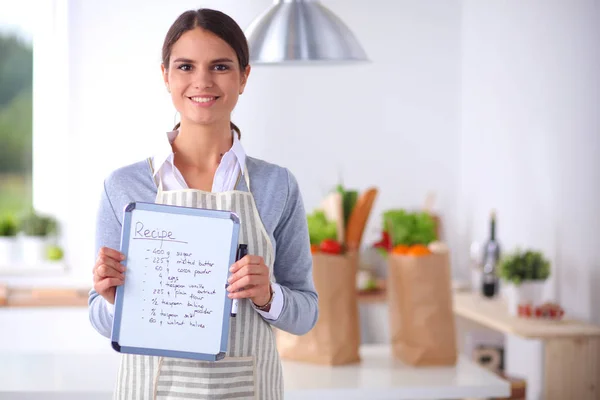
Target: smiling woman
(203, 165)
(200, 52)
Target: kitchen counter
(560, 359)
(91, 375)
(380, 376)
(493, 313)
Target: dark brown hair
(213, 21)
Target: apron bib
(252, 368)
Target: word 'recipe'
(153, 234)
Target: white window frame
(50, 105)
(51, 128)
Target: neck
(202, 146)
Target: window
(16, 77)
(32, 50)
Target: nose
(203, 79)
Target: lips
(203, 99)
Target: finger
(106, 284)
(104, 260)
(105, 271)
(249, 270)
(112, 253)
(248, 281)
(247, 293)
(247, 260)
(254, 259)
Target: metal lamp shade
(301, 31)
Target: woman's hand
(250, 279)
(108, 273)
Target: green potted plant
(8, 241)
(525, 273)
(36, 230)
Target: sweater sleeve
(108, 234)
(293, 266)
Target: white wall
(393, 123)
(530, 136)
(490, 104)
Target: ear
(244, 80)
(165, 74)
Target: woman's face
(204, 78)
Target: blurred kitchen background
(487, 105)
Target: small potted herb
(525, 273)
(8, 241)
(36, 230)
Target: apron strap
(156, 181)
(247, 177)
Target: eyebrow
(184, 60)
(222, 60)
(188, 61)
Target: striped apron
(252, 368)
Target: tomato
(385, 242)
(331, 246)
(314, 248)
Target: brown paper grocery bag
(335, 339)
(422, 326)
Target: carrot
(418, 250)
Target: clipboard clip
(242, 251)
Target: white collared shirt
(225, 176)
(232, 163)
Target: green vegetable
(349, 198)
(371, 284)
(409, 228)
(54, 253)
(34, 224)
(522, 266)
(8, 226)
(319, 228)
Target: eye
(221, 67)
(185, 67)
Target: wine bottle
(491, 258)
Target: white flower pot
(33, 249)
(528, 292)
(8, 251)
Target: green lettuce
(319, 228)
(409, 228)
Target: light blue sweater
(280, 206)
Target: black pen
(241, 253)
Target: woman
(205, 68)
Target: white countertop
(380, 376)
(55, 354)
(91, 375)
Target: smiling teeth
(202, 99)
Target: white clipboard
(174, 300)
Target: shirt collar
(166, 152)
(239, 152)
